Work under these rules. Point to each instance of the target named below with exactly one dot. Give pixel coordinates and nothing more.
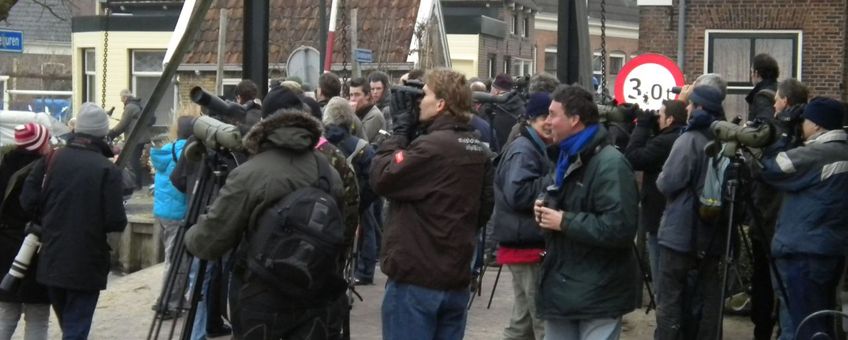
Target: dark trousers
(688, 304)
(811, 282)
(74, 309)
(369, 251)
(216, 295)
(260, 314)
(141, 176)
(762, 295)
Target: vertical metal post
(563, 22)
(322, 16)
(354, 43)
(255, 38)
(681, 34)
(222, 42)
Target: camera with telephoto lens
(23, 259)
(210, 130)
(217, 107)
(758, 134)
(414, 88)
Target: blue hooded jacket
(168, 202)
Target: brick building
(487, 37)
(807, 38)
(622, 36)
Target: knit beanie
(538, 105)
(92, 121)
(280, 98)
(824, 112)
(708, 97)
(31, 136)
(503, 82)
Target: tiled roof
(385, 27)
(38, 24)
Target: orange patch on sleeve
(399, 157)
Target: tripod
(736, 177)
(212, 173)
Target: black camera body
(550, 198)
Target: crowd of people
(433, 185)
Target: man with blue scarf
(687, 243)
(589, 273)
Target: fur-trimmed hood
(293, 130)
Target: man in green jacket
(589, 273)
(282, 161)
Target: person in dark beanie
(649, 147)
(810, 237)
(764, 73)
(523, 172)
(76, 194)
(30, 299)
(687, 243)
(280, 97)
(504, 116)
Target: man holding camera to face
(589, 274)
(441, 192)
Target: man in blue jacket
(811, 237)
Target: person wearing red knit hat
(33, 142)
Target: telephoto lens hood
(215, 134)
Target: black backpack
(298, 246)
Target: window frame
(492, 65)
(553, 67)
(89, 97)
(526, 24)
(797, 36)
(514, 27)
(621, 56)
(134, 75)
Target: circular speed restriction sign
(647, 80)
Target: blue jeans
(371, 238)
(810, 282)
(74, 309)
(412, 312)
(589, 329)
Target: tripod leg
(494, 287)
(732, 186)
(646, 277)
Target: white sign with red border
(647, 80)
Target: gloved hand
(404, 113)
(647, 118)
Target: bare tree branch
(50, 9)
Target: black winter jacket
(648, 154)
(505, 116)
(761, 103)
(12, 223)
(441, 192)
(80, 202)
(523, 173)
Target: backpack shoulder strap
(324, 173)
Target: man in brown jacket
(441, 192)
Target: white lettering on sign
(7, 41)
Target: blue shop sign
(11, 41)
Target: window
(229, 88)
(493, 70)
(521, 67)
(616, 62)
(551, 61)
(514, 28)
(89, 79)
(507, 65)
(596, 63)
(526, 27)
(146, 70)
(731, 53)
